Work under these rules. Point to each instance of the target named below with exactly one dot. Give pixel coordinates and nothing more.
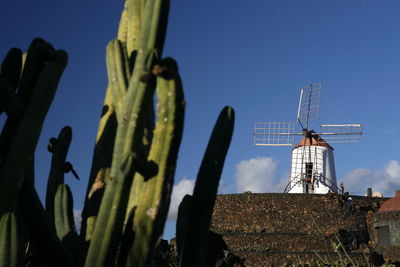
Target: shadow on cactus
(133, 164)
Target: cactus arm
(127, 239)
(9, 102)
(11, 67)
(103, 152)
(11, 254)
(194, 250)
(101, 163)
(182, 221)
(23, 145)
(122, 34)
(133, 24)
(109, 223)
(63, 212)
(37, 228)
(154, 200)
(38, 50)
(39, 53)
(10, 73)
(56, 176)
(64, 220)
(118, 73)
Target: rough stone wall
(305, 213)
(276, 228)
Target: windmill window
(309, 171)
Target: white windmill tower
(313, 166)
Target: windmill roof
(313, 140)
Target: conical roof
(392, 204)
(312, 139)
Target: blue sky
(252, 55)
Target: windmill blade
(308, 104)
(341, 133)
(274, 133)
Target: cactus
(41, 73)
(19, 146)
(134, 159)
(38, 229)
(194, 245)
(130, 24)
(152, 208)
(59, 149)
(64, 219)
(182, 222)
(128, 142)
(9, 78)
(10, 245)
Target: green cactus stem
(194, 249)
(33, 65)
(38, 230)
(12, 66)
(64, 221)
(109, 222)
(64, 217)
(9, 101)
(59, 149)
(22, 146)
(118, 73)
(152, 207)
(182, 222)
(10, 73)
(102, 156)
(11, 250)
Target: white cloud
(78, 219)
(385, 181)
(258, 176)
(185, 186)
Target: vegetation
(133, 164)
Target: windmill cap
(314, 140)
(392, 204)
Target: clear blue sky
(253, 55)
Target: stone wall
(276, 228)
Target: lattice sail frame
(309, 104)
(274, 133)
(341, 133)
(282, 133)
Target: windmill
(312, 166)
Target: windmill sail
(341, 133)
(308, 104)
(274, 133)
(313, 167)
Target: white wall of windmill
(312, 170)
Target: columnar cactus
(33, 92)
(37, 88)
(11, 249)
(59, 149)
(134, 160)
(193, 235)
(131, 95)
